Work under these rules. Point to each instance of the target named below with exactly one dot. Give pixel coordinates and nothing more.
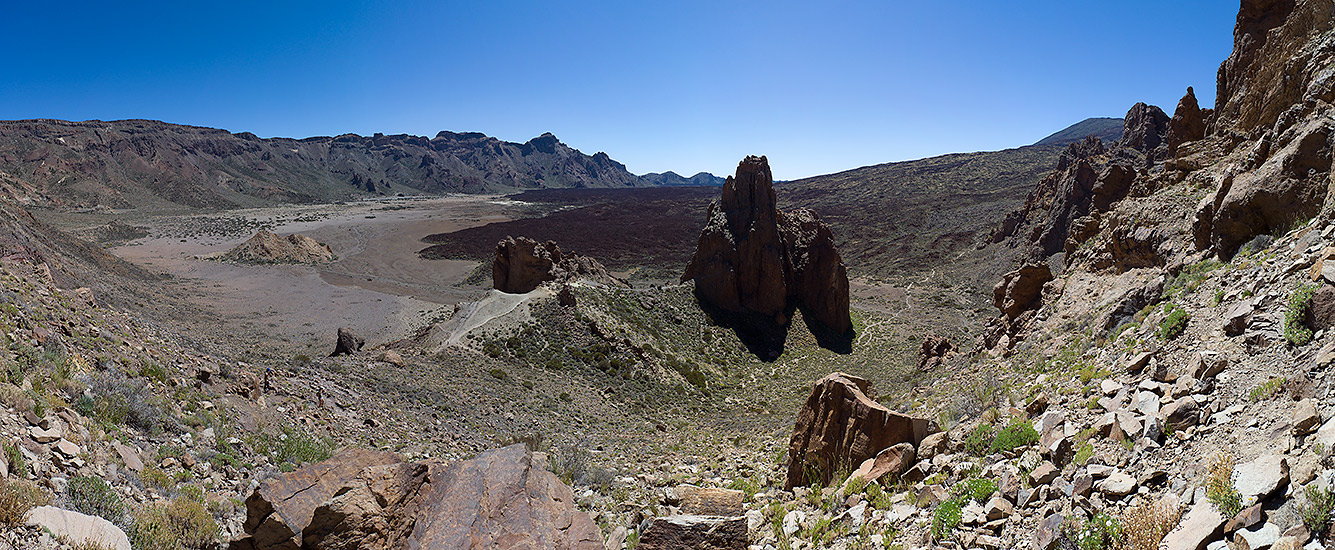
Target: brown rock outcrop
(348, 343)
(695, 533)
(521, 264)
(369, 499)
(1274, 66)
(1020, 290)
(756, 261)
(820, 281)
(933, 352)
(840, 427)
(269, 248)
(1188, 122)
(1144, 127)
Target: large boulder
(347, 343)
(521, 264)
(756, 262)
(370, 499)
(933, 352)
(81, 529)
(695, 533)
(1289, 186)
(840, 427)
(1021, 290)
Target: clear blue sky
(685, 86)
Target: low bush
(981, 488)
(946, 518)
(1267, 389)
(1145, 525)
(1317, 510)
(184, 522)
(1174, 322)
(1100, 532)
(118, 400)
(1295, 315)
(294, 445)
(1019, 433)
(92, 496)
(1219, 486)
(17, 496)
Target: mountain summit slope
(133, 163)
(1106, 129)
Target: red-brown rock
(933, 352)
(819, 279)
(756, 261)
(1020, 290)
(840, 427)
(1187, 124)
(1144, 127)
(368, 499)
(521, 264)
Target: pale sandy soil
(376, 286)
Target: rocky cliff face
(758, 263)
(521, 264)
(133, 163)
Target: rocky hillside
(1106, 129)
(669, 178)
(142, 163)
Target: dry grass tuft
(1145, 525)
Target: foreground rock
(755, 261)
(269, 248)
(90, 531)
(370, 499)
(840, 427)
(695, 533)
(521, 264)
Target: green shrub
(979, 440)
(981, 488)
(1084, 453)
(92, 496)
(1219, 486)
(1316, 511)
(1295, 315)
(946, 518)
(182, 523)
(294, 445)
(498, 374)
(1100, 532)
(1019, 433)
(1267, 389)
(1174, 322)
(17, 464)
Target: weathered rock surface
(269, 248)
(754, 260)
(365, 499)
(841, 427)
(933, 352)
(521, 264)
(1200, 526)
(1021, 289)
(709, 501)
(1188, 122)
(79, 528)
(695, 533)
(1144, 128)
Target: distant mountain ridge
(673, 179)
(134, 163)
(1107, 129)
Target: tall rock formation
(1188, 122)
(758, 263)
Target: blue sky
(687, 86)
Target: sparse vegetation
(1020, 433)
(1219, 486)
(1144, 525)
(1174, 321)
(979, 440)
(92, 496)
(1316, 512)
(1101, 532)
(946, 518)
(184, 522)
(1267, 389)
(1299, 307)
(17, 496)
